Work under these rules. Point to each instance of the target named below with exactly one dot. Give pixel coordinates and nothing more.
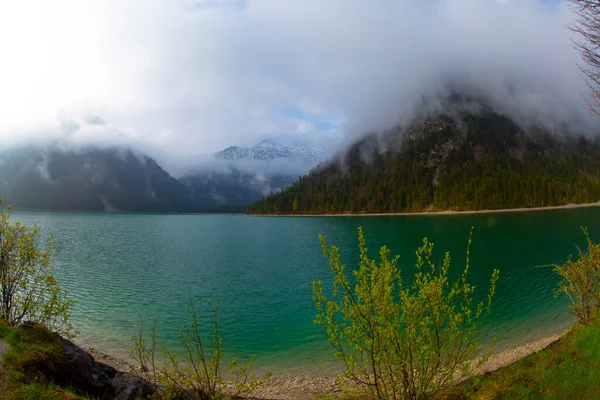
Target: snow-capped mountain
(89, 165)
(241, 176)
(269, 150)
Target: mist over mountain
(91, 166)
(213, 74)
(121, 180)
(239, 176)
(463, 156)
(234, 190)
(88, 179)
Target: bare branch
(587, 26)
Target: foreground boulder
(127, 386)
(77, 369)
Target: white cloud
(188, 77)
(305, 127)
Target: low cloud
(182, 79)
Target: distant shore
(434, 213)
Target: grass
(32, 351)
(568, 369)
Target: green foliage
(33, 350)
(480, 162)
(565, 370)
(203, 373)
(401, 341)
(28, 289)
(37, 391)
(581, 282)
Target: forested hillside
(472, 162)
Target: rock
(79, 369)
(130, 387)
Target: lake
(120, 266)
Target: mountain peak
(271, 150)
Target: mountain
(269, 150)
(233, 190)
(88, 179)
(72, 173)
(466, 160)
(63, 175)
(242, 176)
(69, 172)
(92, 178)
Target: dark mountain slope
(471, 161)
(230, 191)
(90, 179)
(54, 177)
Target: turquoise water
(119, 266)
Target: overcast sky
(188, 77)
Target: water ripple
(118, 267)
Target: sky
(184, 78)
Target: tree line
(479, 162)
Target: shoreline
(569, 206)
(345, 214)
(301, 384)
(310, 386)
(120, 362)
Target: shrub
(203, 374)
(28, 289)
(581, 282)
(399, 341)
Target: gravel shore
(306, 385)
(309, 386)
(509, 356)
(118, 362)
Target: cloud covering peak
(190, 77)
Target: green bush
(399, 341)
(28, 289)
(203, 374)
(581, 282)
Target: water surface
(120, 266)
